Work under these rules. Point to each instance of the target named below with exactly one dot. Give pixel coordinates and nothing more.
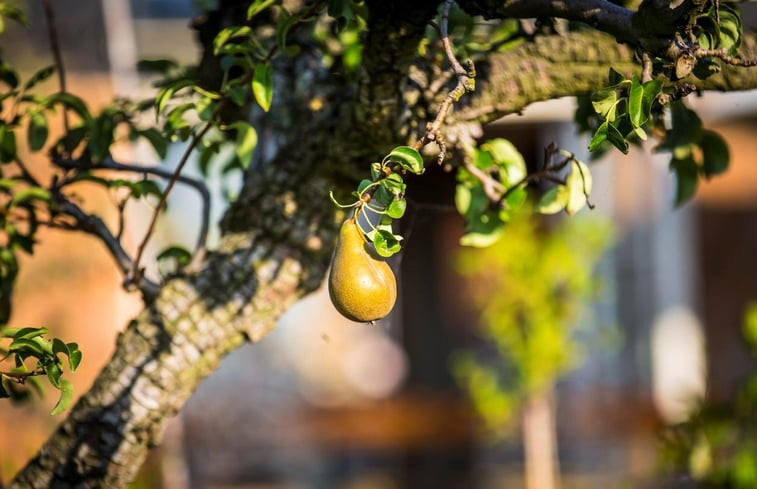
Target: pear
(362, 288)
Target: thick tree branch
(574, 64)
(600, 14)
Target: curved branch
(600, 14)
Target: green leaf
(54, 373)
(28, 333)
(167, 92)
(37, 133)
(650, 89)
(262, 85)
(66, 396)
(247, 139)
(27, 346)
(615, 77)
(686, 128)
(156, 139)
(397, 208)
(238, 95)
(74, 356)
(600, 136)
(578, 184)
(31, 193)
(386, 243)
(616, 138)
(364, 184)
(408, 158)
(178, 253)
(258, 6)
(687, 178)
(41, 75)
(462, 199)
(635, 103)
(393, 184)
(8, 75)
(229, 33)
(7, 144)
(715, 153)
(506, 155)
(605, 102)
(72, 102)
(553, 200)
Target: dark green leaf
(72, 102)
(8, 75)
(262, 85)
(238, 95)
(37, 132)
(3, 393)
(160, 65)
(53, 373)
(178, 253)
(715, 153)
(615, 77)
(408, 158)
(66, 396)
(364, 184)
(7, 144)
(41, 75)
(157, 140)
(687, 178)
(616, 138)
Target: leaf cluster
(381, 199)
(32, 356)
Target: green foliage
(32, 356)
(696, 152)
(624, 108)
(382, 197)
(717, 445)
(530, 289)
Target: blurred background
(641, 375)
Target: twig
(723, 55)
(198, 185)
(94, 225)
(465, 83)
(492, 188)
(52, 33)
(646, 67)
(136, 272)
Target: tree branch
(600, 14)
(573, 64)
(94, 225)
(52, 33)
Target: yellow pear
(362, 288)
